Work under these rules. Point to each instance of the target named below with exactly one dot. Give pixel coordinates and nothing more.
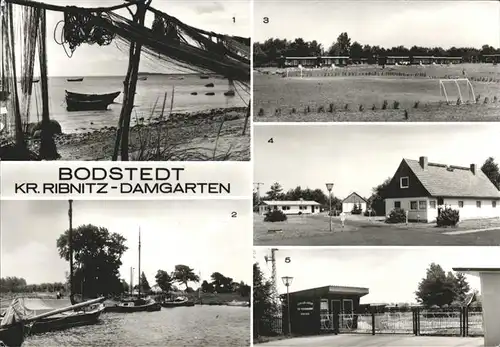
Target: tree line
(273, 49)
(276, 193)
(19, 285)
(97, 257)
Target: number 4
(271, 140)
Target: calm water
(180, 326)
(148, 92)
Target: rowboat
(78, 105)
(79, 79)
(142, 78)
(177, 302)
(89, 102)
(92, 97)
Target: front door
(336, 312)
(312, 209)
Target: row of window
(286, 208)
(422, 205)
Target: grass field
(358, 94)
(314, 231)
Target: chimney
(473, 168)
(423, 162)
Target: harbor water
(148, 92)
(180, 326)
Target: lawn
(360, 97)
(314, 231)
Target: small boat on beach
(142, 78)
(78, 79)
(229, 93)
(204, 77)
(238, 303)
(180, 301)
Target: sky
(383, 23)
(193, 233)
(391, 274)
(94, 60)
(358, 157)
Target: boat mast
(70, 246)
(139, 272)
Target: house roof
(354, 194)
(290, 203)
(453, 181)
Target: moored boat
(89, 102)
(79, 105)
(178, 302)
(134, 305)
(92, 97)
(79, 79)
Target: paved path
(347, 340)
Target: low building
(323, 309)
(448, 60)
(427, 60)
(393, 60)
(424, 188)
(335, 60)
(291, 207)
(302, 61)
(490, 58)
(354, 199)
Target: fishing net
(16, 312)
(167, 41)
(19, 46)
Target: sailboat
(135, 304)
(19, 321)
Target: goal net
(457, 90)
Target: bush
(54, 128)
(356, 209)
(275, 216)
(448, 217)
(396, 216)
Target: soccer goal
(455, 89)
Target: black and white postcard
(125, 273)
(377, 184)
(376, 61)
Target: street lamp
(329, 186)
(287, 281)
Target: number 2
(234, 214)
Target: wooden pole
(70, 247)
(247, 117)
(48, 149)
(130, 86)
(139, 272)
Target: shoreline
(215, 134)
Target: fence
(460, 321)
(449, 322)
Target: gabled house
(352, 200)
(290, 207)
(423, 188)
